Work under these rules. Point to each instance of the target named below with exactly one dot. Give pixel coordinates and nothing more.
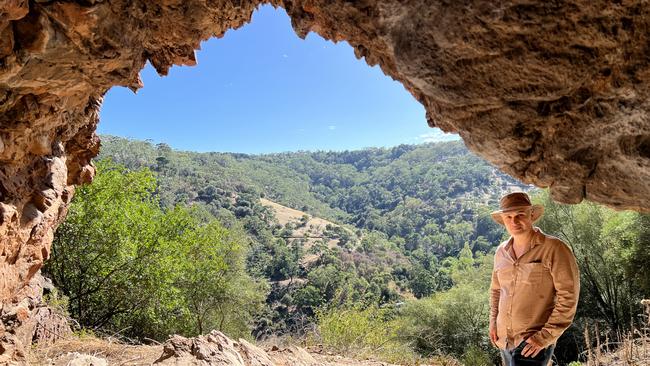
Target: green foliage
(476, 356)
(451, 322)
(611, 249)
(454, 321)
(607, 246)
(420, 199)
(363, 333)
(126, 264)
(57, 301)
(640, 255)
(399, 191)
(213, 282)
(407, 209)
(85, 333)
(107, 242)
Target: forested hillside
(404, 210)
(415, 194)
(379, 252)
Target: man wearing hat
(535, 286)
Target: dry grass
(285, 353)
(115, 352)
(631, 349)
(286, 214)
(313, 229)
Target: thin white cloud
(437, 135)
(331, 128)
(284, 55)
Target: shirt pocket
(532, 274)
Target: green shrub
(476, 356)
(364, 333)
(447, 322)
(57, 302)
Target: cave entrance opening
(261, 89)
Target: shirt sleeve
(566, 280)
(495, 294)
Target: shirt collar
(537, 239)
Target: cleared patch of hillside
(313, 228)
(306, 227)
(310, 230)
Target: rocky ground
(217, 349)
(211, 349)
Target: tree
(640, 255)
(603, 242)
(127, 264)
(212, 280)
(422, 282)
(456, 320)
(107, 244)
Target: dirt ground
(120, 354)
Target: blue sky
(262, 89)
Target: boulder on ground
(213, 349)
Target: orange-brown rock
(553, 93)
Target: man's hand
(531, 349)
(493, 335)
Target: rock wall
(553, 93)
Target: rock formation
(553, 93)
(214, 348)
(49, 326)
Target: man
(535, 286)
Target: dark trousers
(514, 357)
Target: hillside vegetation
(379, 252)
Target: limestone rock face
(553, 93)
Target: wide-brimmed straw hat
(516, 201)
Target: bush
(447, 322)
(476, 356)
(364, 333)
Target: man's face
(518, 222)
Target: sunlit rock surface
(553, 93)
(214, 348)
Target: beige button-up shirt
(535, 295)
